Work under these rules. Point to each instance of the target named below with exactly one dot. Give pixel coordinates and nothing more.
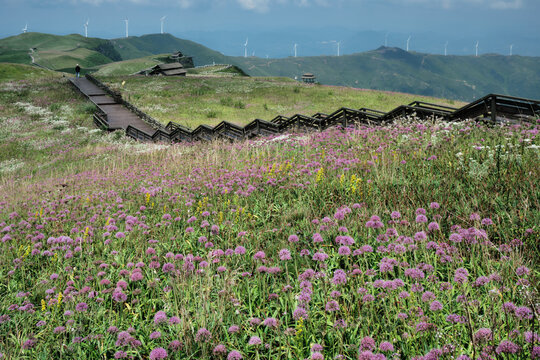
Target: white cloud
(452, 4)
(507, 4)
(255, 5)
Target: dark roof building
(308, 78)
(173, 69)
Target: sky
(273, 26)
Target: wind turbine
(511, 49)
(295, 50)
(86, 28)
(126, 20)
(408, 41)
(25, 29)
(162, 22)
(446, 49)
(245, 47)
(477, 49)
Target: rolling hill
(59, 53)
(454, 77)
(392, 69)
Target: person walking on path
(78, 70)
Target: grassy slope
(210, 100)
(10, 72)
(52, 51)
(135, 47)
(98, 207)
(128, 67)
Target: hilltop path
(118, 117)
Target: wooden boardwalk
(117, 116)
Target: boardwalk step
(116, 116)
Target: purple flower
(423, 326)
(332, 306)
(254, 340)
(155, 335)
(317, 238)
(507, 347)
(428, 296)
(233, 329)
(433, 226)
(316, 347)
(219, 350)
(203, 335)
(119, 296)
(293, 239)
(240, 250)
(340, 277)
(120, 355)
(160, 317)
(421, 219)
(317, 356)
(270, 322)
(82, 307)
(367, 343)
(259, 255)
(320, 256)
(482, 335)
(59, 329)
(366, 355)
(175, 345)
(234, 355)
(284, 254)
(386, 346)
(300, 313)
(435, 306)
(524, 312)
(344, 251)
(28, 344)
(167, 267)
(158, 354)
(522, 270)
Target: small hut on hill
(173, 69)
(178, 57)
(309, 78)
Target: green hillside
(129, 67)
(136, 47)
(55, 52)
(393, 69)
(12, 72)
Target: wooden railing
(492, 107)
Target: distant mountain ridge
(392, 69)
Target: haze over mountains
(386, 68)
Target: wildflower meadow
(416, 240)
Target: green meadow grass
(11, 72)
(192, 101)
(103, 238)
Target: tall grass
(411, 240)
